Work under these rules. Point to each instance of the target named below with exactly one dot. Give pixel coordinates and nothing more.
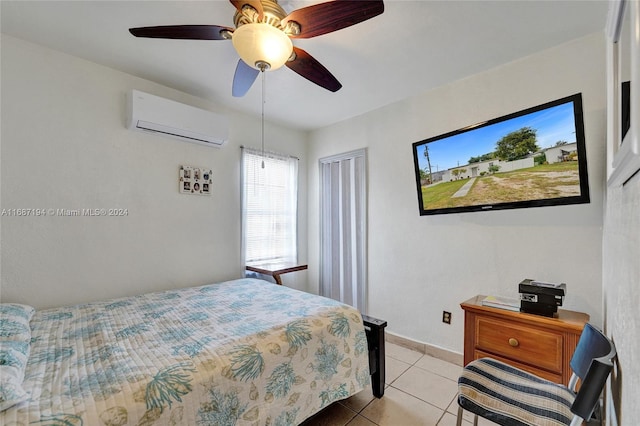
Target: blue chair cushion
(511, 397)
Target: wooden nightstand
(538, 344)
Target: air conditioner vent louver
(153, 114)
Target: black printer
(541, 298)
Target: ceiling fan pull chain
(263, 97)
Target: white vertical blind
(343, 228)
(269, 207)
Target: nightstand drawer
(522, 343)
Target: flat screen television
(530, 158)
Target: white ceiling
(412, 47)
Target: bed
(238, 352)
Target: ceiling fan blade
(243, 79)
(256, 4)
(309, 68)
(188, 32)
(332, 16)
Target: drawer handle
(514, 342)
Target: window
(269, 207)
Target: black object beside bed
(374, 328)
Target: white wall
(621, 277)
(621, 241)
(420, 266)
(64, 145)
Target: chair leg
(459, 419)
(576, 421)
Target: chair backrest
(592, 362)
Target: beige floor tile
(394, 369)
(334, 415)
(401, 353)
(440, 367)
(467, 416)
(485, 422)
(453, 408)
(358, 401)
(361, 421)
(397, 408)
(450, 420)
(427, 386)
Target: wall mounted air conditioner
(153, 114)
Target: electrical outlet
(446, 317)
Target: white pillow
(13, 361)
(14, 321)
(15, 344)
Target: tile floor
(421, 390)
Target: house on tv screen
(553, 155)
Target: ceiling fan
(263, 32)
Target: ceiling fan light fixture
(259, 43)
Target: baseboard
(425, 348)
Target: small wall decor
(195, 180)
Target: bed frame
(374, 328)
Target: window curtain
(343, 228)
(269, 207)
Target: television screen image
(531, 158)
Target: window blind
(269, 207)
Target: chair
(512, 397)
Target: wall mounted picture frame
(623, 91)
(195, 180)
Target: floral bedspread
(238, 352)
